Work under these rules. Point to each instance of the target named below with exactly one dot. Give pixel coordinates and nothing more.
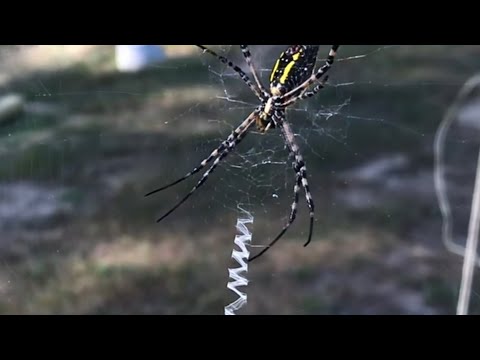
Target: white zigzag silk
(238, 275)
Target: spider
(292, 75)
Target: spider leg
(301, 180)
(293, 215)
(215, 153)
(300, 169)
(315, 77)
(231, 146)
(238, 70)
(248, 58)
(307, 94)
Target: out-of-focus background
(84, 135)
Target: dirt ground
(77, 235)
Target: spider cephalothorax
(291, 77)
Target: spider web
(78, 236)
(322, 126)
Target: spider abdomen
(294, 66)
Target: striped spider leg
(218, 154)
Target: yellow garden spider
(291, 76)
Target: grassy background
(93, 141)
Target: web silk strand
(237, 276)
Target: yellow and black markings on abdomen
(294, 66)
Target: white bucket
(132, 58)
